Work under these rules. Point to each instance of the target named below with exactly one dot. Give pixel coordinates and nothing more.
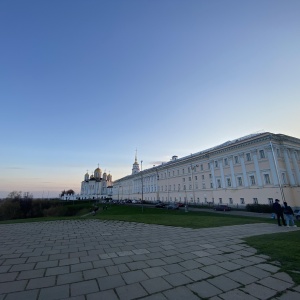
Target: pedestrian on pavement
(289, 215)
(278, 210)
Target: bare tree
(14, 195)
(27, 195)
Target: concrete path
(91, 259)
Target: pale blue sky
(88, 82)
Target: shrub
(10, 209)
(24, 208)
(260, 208)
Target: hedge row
(261, 208)
(21, 209)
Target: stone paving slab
(92, 259)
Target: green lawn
(151, 215)
(282, 247)
(180, 218)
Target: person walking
(278, 210)
(289, 215)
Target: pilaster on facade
(211, 164)
(254, 153)
(295, 165)
(233, 180)
(288, 166)
(242, 161)
(273, 164)
(222, 173)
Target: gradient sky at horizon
(84, 83)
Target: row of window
(228, 183)
(267, 181)
(216, 164)
(229, 201)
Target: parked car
(297, 214)
(173, 206)
(160, 205)
(180, 204)
(222, 207)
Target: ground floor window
(270, 200)
(242, 200)
(255, 201)
(230, 201)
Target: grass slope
(178, 218)
(282, 247)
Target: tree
(27, 195)
(14, 195)
(70, 192)
(11, 209)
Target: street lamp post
(193, 168)
(157, 186)
(185, 199)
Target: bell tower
(135, 166)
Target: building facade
(96, 186)
(257, 168)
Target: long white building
(258, 168)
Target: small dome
(98, 170)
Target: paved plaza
(92, 259)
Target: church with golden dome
(96, 185)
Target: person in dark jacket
(289, 215)
(278, 210)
